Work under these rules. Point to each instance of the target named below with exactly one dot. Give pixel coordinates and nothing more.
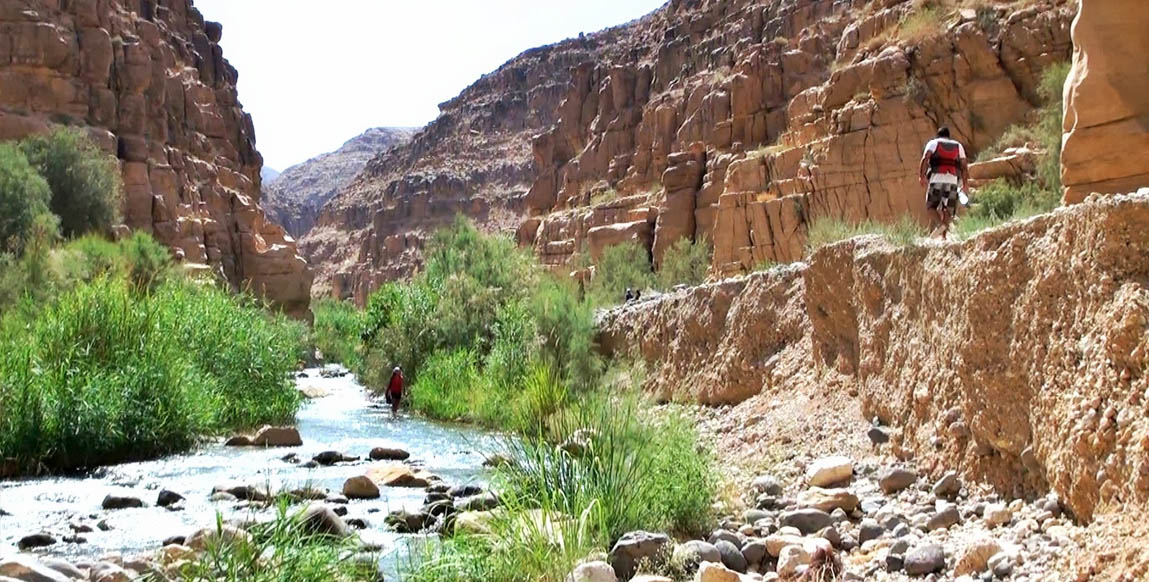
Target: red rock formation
(1107, 100)
(148, 81)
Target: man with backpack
(394, 394)
(943, 170)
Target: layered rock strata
(148, 82)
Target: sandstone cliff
(1017, 357)
(148, 81)
(294, 197)
(1106, 146)
(735, 120)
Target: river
(345, 418)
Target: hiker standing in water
(943, 170)
(394, 392)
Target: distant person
(943, 171)
(629, 295)
(394, 392)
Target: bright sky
(314, 73)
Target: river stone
(997, 514)
(340, 510)
(830, 471)
(695, 552)
(361, 487)
(467, 490)
(108, 572)
(200, 539)
(948, 486)
(896, 479)
(731, 556)
(277, 436)
(238, 441)
(328, 458)
(714, 572)
(947, 517)
(870, 530)
(975, 558)
(27, 569)
(389, 454)
(168, 498)
(828, 499)
(121, 502)
(878, 435)
(808, 521)
(320, 519)
(790, 559)
(174, 541)
(485, 502)
(37, 540)
(634, 547)
(925, 560)
(240, 492)
(63, 567)
(766, 485)
(357, 523)
(754, 552)
(399, 475)
(592, 572)
(722, 534)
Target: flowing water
(346, 419)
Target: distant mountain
(295, 197)
(268, 174)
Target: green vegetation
(281, 550)
(108, 353)
(685, 263)
(85, 183)
(825, 231)
(1002, 201)
(336, 332)
(24, 197)
(925, 20)
(624, 266)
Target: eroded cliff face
(294, 198)
(1107, 100)
(1018, 357)
(148, 82)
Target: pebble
(896, 479)
(807, 521)
(948, 486)
(926, 559)
(767, 485)
(945, 518)
(870, 530)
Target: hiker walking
(943, 171)
(394, 392)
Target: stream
(343, 418)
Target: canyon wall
(146, 79)
(1107, 100)
(1018, 357)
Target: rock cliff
(294, 197)
(739, 121)
(1107, 100)
(148, 81)
(1017, 357)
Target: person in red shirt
(944, 168)
(394, 392)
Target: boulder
(777, 542)
(238, 441)
(828, 499)
(399, 475)
(328, 458)
(37, 540)
(926, 559)
(694, 552)
(407, 522)
(484, 502)
(754, 552)
(240, 491)
(168, 498)
(792, 558)
(361, 487)
(895, 479)
(206, 537)
(277, 436)
(121, 502)
(947, 517)
(63, 567)
(592, 572)
(474, 522)
(731, 556)
(389, 454)
(634, 547)
(109, 572)
(26, 568)
(715, 572)
(808, 521)
(948, 486)
(830, 471)
(321, 519)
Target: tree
(84, 182)
(24, 196)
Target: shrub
(24, 196)
(925, 20)
(337, 331)
(825, 231)
(623, 266)
(85, 183)
(685, 262)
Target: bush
(685, 263)
(337, 332)
(623, 266)
(24, 196)
(104, 373)
(85, 183)
(825, 231)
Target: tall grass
(824, 231)
(338, 330)
(623, 266)
(686, 262)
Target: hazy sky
(314, 74)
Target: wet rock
(307, 494)
(337, 499)
(223, 497)
(754, 552)
(28, 569)
(406, 522)
(592, 572)
(168, 498)
(241, 492)
(4, 513)
(277, 436)
(356, 523)
(291, 458)
(340, 510)
(485, 502)
(121, 502)
(361, 487)
(74, 539)
(175, 541)
(320, 519)
(389, 454)
(468, 490)
(634, 547)
(398, 475)
(78, 527)
(948, 486)
(828, 499)
(807, 521)
(203, 538)
(947, 517)
(103, 525)
(731, 556)
(309, 465)
(38, 540)
(896, 479)
(830, 471)
(695, 552)
(926, 559)
(238, 441)
(766, 485)
(328, 458)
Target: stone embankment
(1016, 358)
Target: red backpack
(946, 158)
